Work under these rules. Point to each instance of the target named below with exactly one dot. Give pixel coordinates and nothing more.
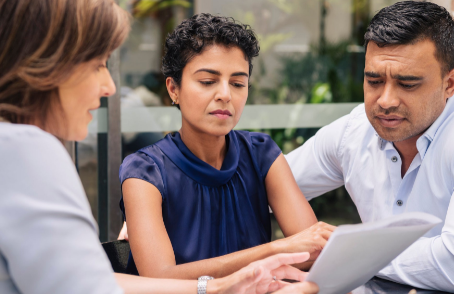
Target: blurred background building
(309, 73)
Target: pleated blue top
(208, 212)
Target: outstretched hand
(265, 276)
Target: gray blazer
(48, 237)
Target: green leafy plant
(144, 8)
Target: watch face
(205, 278)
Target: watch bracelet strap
(202, 286)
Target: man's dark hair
(195, 34)
(408, 22)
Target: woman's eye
(238, 85)
(101, 66)
(206, 83)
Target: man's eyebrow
(211, 71)
(371, 74)
(407, 78)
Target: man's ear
(449, 84)
(172, 89)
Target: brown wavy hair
(42, 41)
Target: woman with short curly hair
(197, 202)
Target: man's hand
(265, 276)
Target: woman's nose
(108, 87)
(224, 92)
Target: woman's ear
(173, 89)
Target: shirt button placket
(398, 204)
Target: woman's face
(213, 90)
(80, 94)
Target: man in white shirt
(395, 153)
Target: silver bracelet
(202, 284)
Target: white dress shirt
(48, 237)
(349, 152)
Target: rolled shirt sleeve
(315, 165)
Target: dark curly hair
(193, 35)
(408, 22)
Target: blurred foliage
(268, 41)
(337, 71)
(328, 73)
(144, 8)
(166, 14)
(321, 92)
(335, 76)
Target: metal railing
(275, 116)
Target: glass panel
(87, 153)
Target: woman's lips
(390, 121)
(221, 114)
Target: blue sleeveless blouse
(208, 212)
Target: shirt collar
(423, 143)
(448, 111)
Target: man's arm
(428, 263)
(316, 165)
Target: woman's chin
(219, 131)
(78, 135)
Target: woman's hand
(265, 276)
(311, 240)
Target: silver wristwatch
(202, 284)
